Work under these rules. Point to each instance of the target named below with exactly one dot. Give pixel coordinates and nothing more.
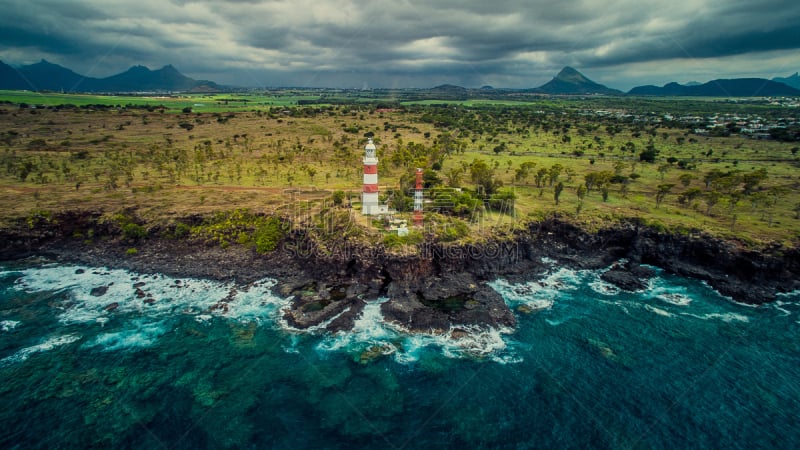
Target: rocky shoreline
(442, 288)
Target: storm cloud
(409, 43)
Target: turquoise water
(184, 363)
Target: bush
(338, 197)
(133, 231)
(243, 227)
(131, 251)
(267, 235)
(392, 240)
(181, 230)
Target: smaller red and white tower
(369, 194)
(418, 200)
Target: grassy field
(171, 103)
(265, 153)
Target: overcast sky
(410, 43)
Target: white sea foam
(119, 293)
(658, 311)
(368, 328)
(372, 334)
(8, 325)
(604, 287)
(725, 317)
(532, 294)
(728, 317)
(779, 305)
(674, 299)
(148, 295)
(142, 335)
(539, 294)
(47, 345)
(668, 293)
(548, 261)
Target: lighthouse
(369, 195)
(418, 200)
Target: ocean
(101, 357)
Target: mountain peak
(569, 81)
(44, 63)
(138, 69)
(791, 80)
(568, 71)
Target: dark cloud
(400, 43)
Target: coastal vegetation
(246, 169)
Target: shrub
(268, 234)
(181, 230)
(133, 231)
(242, 227)
(131, 251)
(338, 197)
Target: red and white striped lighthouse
(418, 200)
(369, 195)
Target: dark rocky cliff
(439, 288)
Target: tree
(338, 197)
(560, 187)
(541, 174)
(663, 169)
(454, 177)
(483, 177)
(686, 179)
(649, 154)
(712, 198)
(689, 195)
(581, 193)
(554, 173)
(523, 170)
(598, 179)
(663, 190)
(753, 179)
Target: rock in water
(628, 277)
(99, 291)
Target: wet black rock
(99, 291)
(629, 277)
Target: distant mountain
(737, 87)
(447, 92)
(792, 81)
(52, 77)
(450, 88)
(10, 77)
(140, 78)
(669, 89)
(570, 81)
(692, 83)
